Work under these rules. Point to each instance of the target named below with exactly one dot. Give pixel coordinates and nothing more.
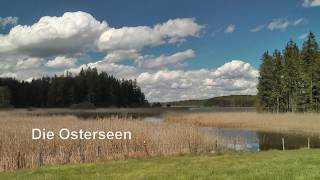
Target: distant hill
(222, 101)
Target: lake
(131, 112)
(249, 140)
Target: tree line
(289, 81)
(232, 101)
(99, 89)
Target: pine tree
(53, 91)
(292, 76)
(278, 83)
(265, 85)
(310, 63)
(316, 92)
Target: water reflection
(247, 140)
(269, 141)
(235, 139)
(222, 109)
(133, 113)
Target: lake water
(133, 112)
(237, 139)
(248, 140)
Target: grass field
(297, 164)
(306, 123)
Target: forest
(289, 80)
(220, 101)
(232, 101)
(89, 86)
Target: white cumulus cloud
(128, 38)
(73, 32)
(235, 77)
(117, 70)
(29, 63)
(62, 62)
(120, 55)
(77, 33)
(161, 61)
(311, 3)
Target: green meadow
(295, 164)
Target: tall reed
(305, 123)
(18, 150)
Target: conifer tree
(310, 65)
(295, 80)
(265, 85)
(278, 83)
(292, 76)
(100, 89)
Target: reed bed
(304, 123)
(18, 150)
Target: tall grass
(18, 150)
(296, 123)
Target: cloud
(126, 43)
(62, 62)
(279, 24)
(29, 63)
(235, 77)
(136, 38)
(54, 43)
(311, 3)
(8, 21)
(303, 36)
(119, 55)
(8, 74)
(257, 29)
(24, 67)
(298, 21)
(283, 23)
(161, 61)
(73, 32)
(230, 28)
(117, 70)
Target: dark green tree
(265, 85)
(293, 83)
(278, 82)
(310, 66)
(99, 89)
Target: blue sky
(211, 50)
(275, 23)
